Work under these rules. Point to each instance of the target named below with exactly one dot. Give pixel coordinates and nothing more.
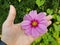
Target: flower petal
(33, 12)
(42, 28)
(41, 32)
(44, 22)
(25, 27)
(28, 31)
(35, 33)
(31, 15)
(27, 17)
(42, 16)
(25, 24)
(42, 13)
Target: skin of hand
(12, 34)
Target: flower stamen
(34, 23)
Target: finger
(49, 23)
(43, 13)
(49, 17)
(12, 14)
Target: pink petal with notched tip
(42, 16)
(26, 27)
(42, 13)
(32, 15)
(33, 12)
(42, 28)
(41, 32)
(27, 17)
(35, 33)
(25, 24)
(28, 31)
(44, 22)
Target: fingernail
(44, 13)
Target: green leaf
(40, 2)
(19, 0)
(50, 29)
(56, 27)
(45, 39)
(54, 16)
(58, 18)
(57, 23)
(49, 11)
(59, 11)
(28, 9)
(51, 40)
(38, 40)
(56, 34)
(42, 44)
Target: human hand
(13, 34)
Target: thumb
(12, 14)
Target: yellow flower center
(34, 23)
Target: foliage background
(52, 37)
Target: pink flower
(34, 24)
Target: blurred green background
(52, 7)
